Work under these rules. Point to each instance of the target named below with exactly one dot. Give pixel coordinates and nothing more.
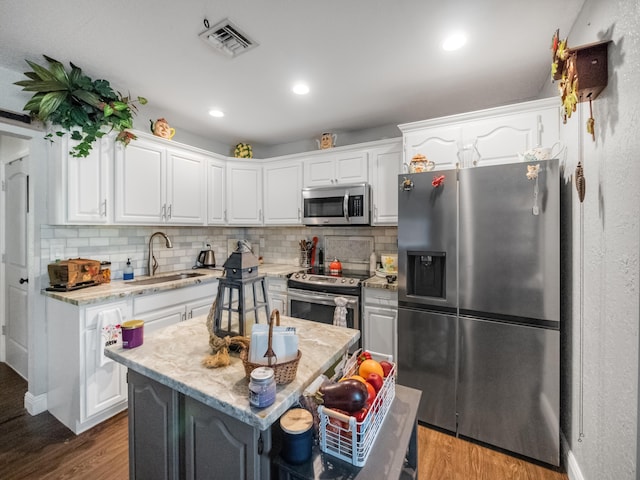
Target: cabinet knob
(24, 280)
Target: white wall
(602, 429)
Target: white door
(17, 207)
(282, 199)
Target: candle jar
(262, 387)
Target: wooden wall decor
(582, 73)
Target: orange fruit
(370, 366)
(354, 377)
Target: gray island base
(190, 422)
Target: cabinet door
(154, 429)
(386, 164)
(244, 194)
(352, 167)
(319, 170)
(219, 446)
(216, 199)
(442, 145)
(140, 180)
(200, 307)
(88, 183)
(380, 330)
(104, 385)
(498, 140)
(186, 188)
(283, 193)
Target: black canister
(297, 436)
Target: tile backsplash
(117, 243)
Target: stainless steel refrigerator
(479, 303)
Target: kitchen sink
(165, 278)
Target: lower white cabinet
(380, 321)
(168, 308)
(277, 294)
(83, 389)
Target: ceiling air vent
(228, 39)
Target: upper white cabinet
(386, 165)
(156, 183)
(244, 193)
(283, 192)
(216, 191)
(486, 137)
(336, 167)
(81, 190)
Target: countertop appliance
(337, 205)
(479, 303)
(206, 258)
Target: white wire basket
(342, 436)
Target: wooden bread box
(74, 271)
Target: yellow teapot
(161, 128)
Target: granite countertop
(119, 289)
(380, 282)
(173, 355)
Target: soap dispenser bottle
(128, 271)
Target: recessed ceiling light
(300, 89)
(454, 41)
(216, 113)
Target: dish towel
(107, 333)
(340, 313)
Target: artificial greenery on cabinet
(86, 109)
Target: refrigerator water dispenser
(426, 274)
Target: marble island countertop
(173, 355)
(117, 289)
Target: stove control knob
(304, 276)
(344, 280)
(297, 275)
(352, 281)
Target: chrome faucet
(153, 263)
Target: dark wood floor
(39, 447)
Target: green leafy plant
(78, 104)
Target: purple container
(132, 333)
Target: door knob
(24, 280)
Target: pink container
(132, 333)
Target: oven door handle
(322, 299)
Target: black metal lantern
(242, 294)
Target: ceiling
(369, 63)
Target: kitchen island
(187, 421)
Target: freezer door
(427, 240)
(508, 390)
(427, 362)
(509, 256)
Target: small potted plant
(79, 105)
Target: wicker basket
(283, 372)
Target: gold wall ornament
(581, 182)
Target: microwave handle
(345, 206)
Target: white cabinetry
(486, 137)
(283, 192)
(80, 190)
(244, 193)
(168, 308)
(216, 198)
(380, 321)
(336, 167)
(386, 165)
(157, 183)
(82, 392)
(277, 293)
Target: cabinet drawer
(382, 297)
(91, 314)
(157, 301)
(276, 285)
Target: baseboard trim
(35, 404)
(573, 469)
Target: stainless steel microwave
(337, 205)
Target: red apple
(375, 380)
(386, 367)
